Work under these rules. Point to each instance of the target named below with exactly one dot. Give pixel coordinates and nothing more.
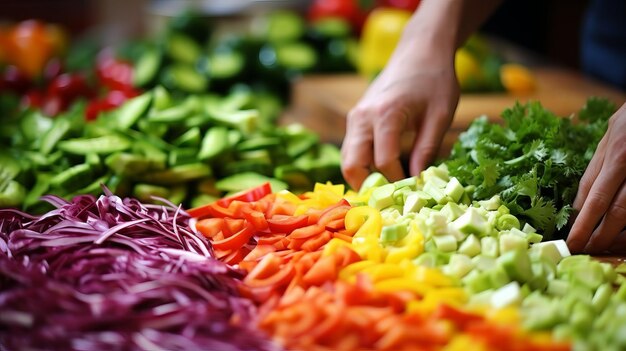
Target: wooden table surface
(322, 102)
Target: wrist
(434, 27)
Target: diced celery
(471, 246)
(516, 263)
(539, 280)
(591, 275)
(484, 263)
(452, 211)
(582, 317)
(534, 238)
(433, 172)
(435, 192)
(476, 282)
(427, 259)
(547, 250)
(507, 295)
(601, 297)
(393, 233)
(459, 235)
(510, 242)
(445, 243)
(491, 204)
(528, 228)
(414, 202)
(489, 247)
(472, 222)
(454, 189)
(459, 265)
(410, 182)
(498, 277)
(374, 180)
(437, 223)
(558, 287)
(382, 197)
(400, 195)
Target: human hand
(601, 198)
(416, 91)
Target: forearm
(446, 24)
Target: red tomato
(93, 109)
(114, 73)
(69, 86)
(33, 98)
(349, 10)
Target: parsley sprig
(534, 160)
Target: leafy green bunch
(534, 160)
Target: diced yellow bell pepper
(364, 221)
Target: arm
(416, 91)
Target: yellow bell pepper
(381, 33)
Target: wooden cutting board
(322, 102)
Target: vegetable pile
(111, 273)
(192, 149)
(414, 264)
(534, 161)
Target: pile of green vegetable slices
(189, 150)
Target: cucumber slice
(382, 197)
(185, 78)
(297, 56)
(147, 68)
(247, 180)
(183, 49)
(283, 26)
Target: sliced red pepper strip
(235, 257)
(235, 241)
(268, 266)
(323, 270)
(278, 279)
(259, 252)
(314, 243)
(307, 232)
(286, 224)
(257, 219)
(333, 213)
(233, 225)
(270, 239)
(209, 227)
(248, 195)
(336, 225)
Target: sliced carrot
(333, 213)
(256, 218)
(270, 239)
(209, 227)
(314, 243)
(336, 224)
(259, 252)
(236, 240)
(323, 270)
(268, 266)
(306, 232)
(278, 279)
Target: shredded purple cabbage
(115, 274)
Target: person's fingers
(387, 132)
(591, 173)
(356, 149)
(597, 202)
(612, 224)
(428, 137)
